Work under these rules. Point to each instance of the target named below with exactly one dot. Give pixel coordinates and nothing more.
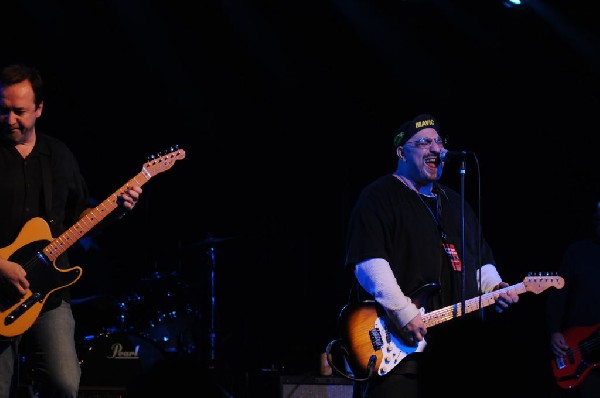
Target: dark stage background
(285, 111)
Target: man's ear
(39, 109)
(400, 152)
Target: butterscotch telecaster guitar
(36, 251)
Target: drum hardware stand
(212, 334)
(211, 241)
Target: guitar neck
(454, 311)
(68, 238)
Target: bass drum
(175, 331)
(117, 360)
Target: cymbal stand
(212, 333)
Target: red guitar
(572, 368)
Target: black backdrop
(285, 111)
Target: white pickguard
(393, 349)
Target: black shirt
(46, 184)
(390, 221)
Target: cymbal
(75, 301)
(209, 241)
(159, 275)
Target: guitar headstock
(539, 283)
(163, 160)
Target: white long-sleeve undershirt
(376, 277)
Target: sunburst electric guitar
(583, 355)
(372, 347)
(36, 250)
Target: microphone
(446, 155)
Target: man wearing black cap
(404, 246)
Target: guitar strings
(588, 345)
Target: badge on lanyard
(453, 256)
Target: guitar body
(584, 355)
(17, 314)
(381, 351)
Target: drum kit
(161, 319)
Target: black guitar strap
(358, 293)
(47, 187)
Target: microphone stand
(463, 251)
(462, 156)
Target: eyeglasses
(427, 142)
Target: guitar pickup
(376, 339)
(560, 362)
(20, 310)
(581, 368)
(571, 356)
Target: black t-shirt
(390, 221)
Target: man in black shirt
(404, 235)
(39, 178)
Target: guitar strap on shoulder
(47, 188)
(358, 293)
